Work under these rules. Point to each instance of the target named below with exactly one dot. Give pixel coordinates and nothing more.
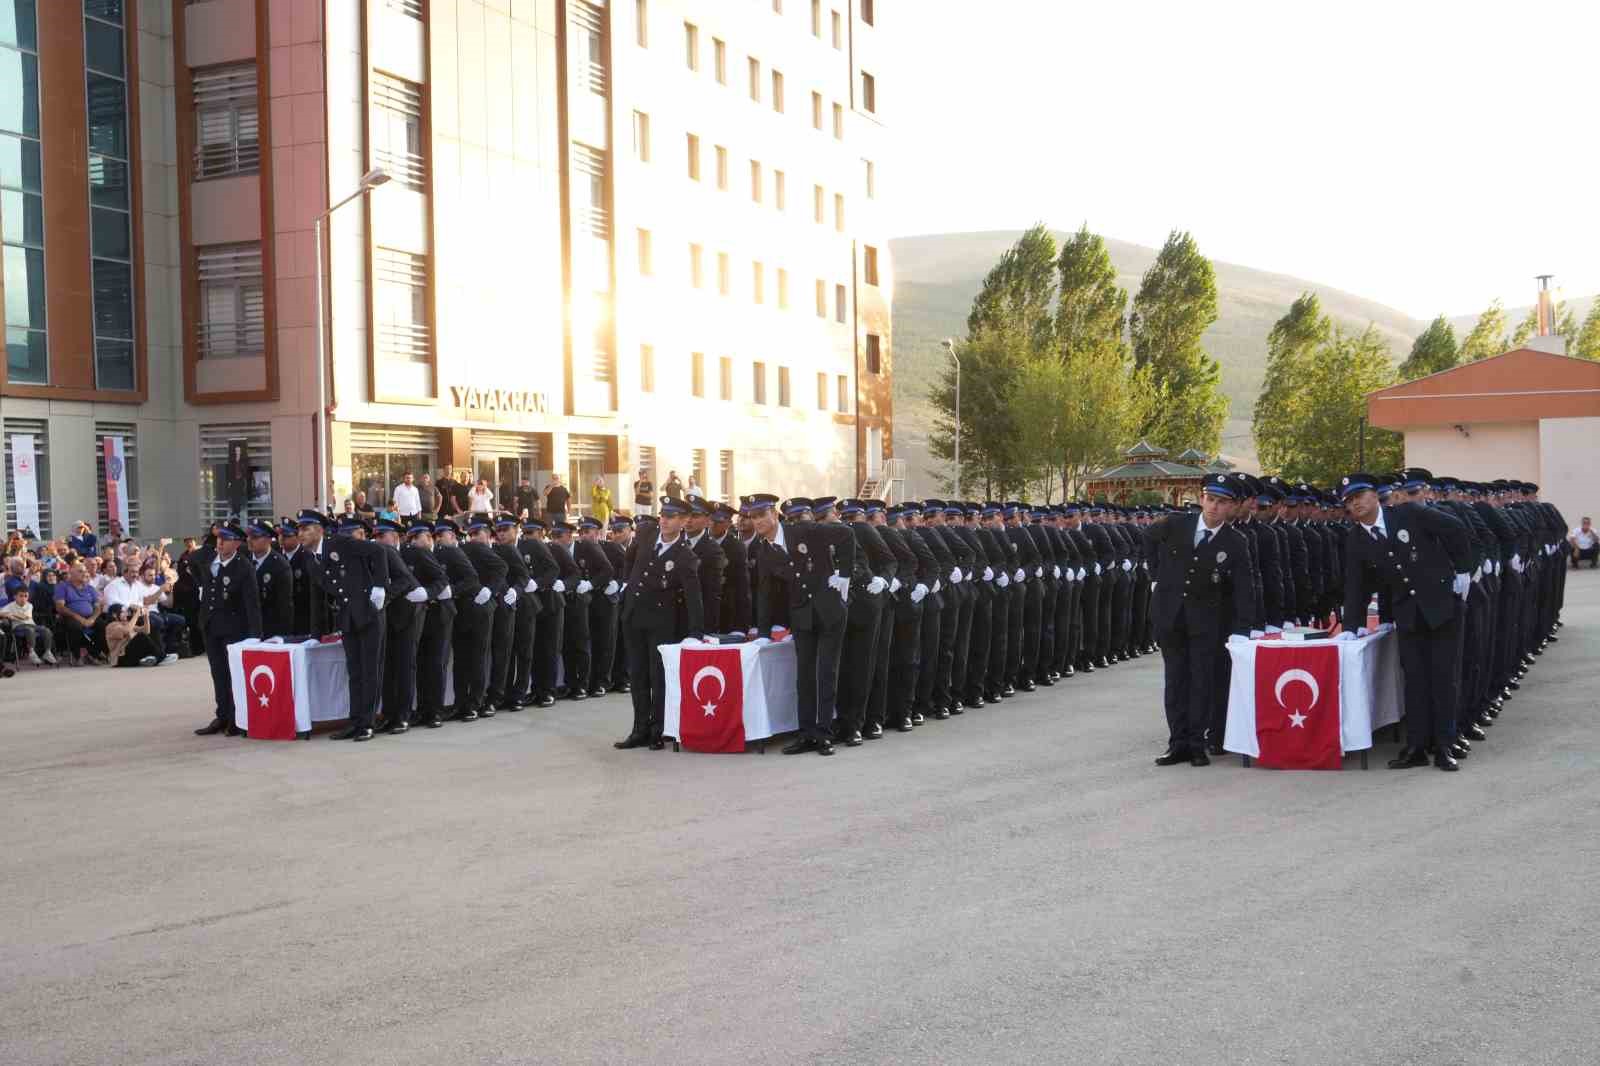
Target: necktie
(1377, 534)
(1205, 537)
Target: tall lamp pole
(950, 346)
(369, 181)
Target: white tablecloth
(771, 700)
(316, 672)
(1370, 693)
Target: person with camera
(128, 641)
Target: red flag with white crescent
(269, 686)
(1297, 707)
(711, 700)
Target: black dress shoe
(1445, 762)
(211, 728)
(432, 722)
(1551, 639)
(1512, 686)
(657, 744)
(1215, 749)
(577, 694)
(917, 718)
(1009, 691)
(486, 712)
(1045, 682)
(1407, 758)
(380, 724)
(1199, 759)
(799, 746)
(362, 734)
(975, 702)
(234, 731)
(904, 726)
(622, 687)
(546, 700)
(1069, 671)
(874, 732)
(1172, 757)
(958, 707)
(397, 729)
(824, 747)
(1474, 732)
(1027, 686)
(1484, 721)
(630, 741)
(939, 714)
(466, 714)
(1459, 750)
(1103, 663)
(596, 692)
(851, 739)
(1087, 668)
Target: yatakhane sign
(516, 401)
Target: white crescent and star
(710, 707)
(1297, 720)
(272, 683)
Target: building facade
(606, 235)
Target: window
(724, 280)
(783, 289)
(758, 282)
(816, 19)
(22, 212)
(838, 303)
(778, 191)
(396, 130)
(646, 260)
(758, 383)
(874, 354)
(722, 168)
(838, 122)
(110, 209)
(697, 374)
(725, 461)
(872, 179)
(226, 140)
(777, 7)
(838, 211)
(822, 298)
(641, 136)
(755, 181)
(869, 92)
(641, 23)
(128, 432)
(783, 386)
(719, 59)
(232, 314)
(697, 467)
(725, 377)
(867, 14)
(822, 391)
(777, 91)
(869, 264)
(816, 111)
(694, 157)
(647, 368)
(691, 45)
(755, 79)
(819, 201)
(838, 30)
(223, 497)
(38, 429)
(844, 394)
(400, 306)
(697, 278)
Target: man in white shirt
(1585, 544)
(129, 591)
(407, 500)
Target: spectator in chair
(29, 633)
(1585, 544)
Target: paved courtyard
(1017, 885)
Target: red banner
(1297, 707)
(711, 700)
(269, 680)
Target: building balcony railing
(231, 340)
(226, 159)
(406, 169)
(404, 342)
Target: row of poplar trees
(1059, 373)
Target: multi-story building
(602, 235)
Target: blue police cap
(1351, 484)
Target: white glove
(988, 573)
(1057, 570)
(1096, 569)
(418, 595)
(1257, 634)
(919, 593)
(531, 586)
(509, 597)
(1269, 629)
(613, 588)
(377, 597)
(483, 596)
(1238, 638)
(876, 585)
(937, 584)
(1003, 580)
(1346, 635)
(1516, 562)
(955, 576)
(894, 585)
(1153, 585)
(1038, 571)
(558, 585)
(1384, 627)
(841, 585)
(1361, 631)
(447, 594)
(1463, 582)
(585, 586)
(1020, 575)
(1082, 573)
(273, 640)
(1477, 575)
(1127, 564)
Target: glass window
(113, 299)
(109, 10)
(102, 47)
(25, 356)
(783, 386)
(227, 139)
(874, 354)
(232, 313)
(18, 24)
(109, 233)
(400, 305)
(108, 116)
(108, 182)
(22, 217)
(113, 364)
(396, 130)
(19, 92)
(24, 273)
(20, 167)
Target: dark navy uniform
(465, 591)
(533, 613)
(474, 625)
(354, 571)
(405, 604)
(876, 566)
(503, 627)
(275, 588)
(230, 611)
(662, 606)
(438, 620)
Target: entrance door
(874, 452)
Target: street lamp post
(369, 181)
(950, 346)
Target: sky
(1426, 154)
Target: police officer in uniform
(532, 606)
(737, 614)
(406, 605)
(869, 588)
(596, 564)
(475, 624)
(617, 547)
(230, 611)
(274, 581)
(357, 575)
(312, 613)
(467, 595)
(552, 641)
(662, 606)
(438, 619)
(503, 626)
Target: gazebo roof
(1219, 464)
(1145, 450)
(1192, 455)
(1159, 469)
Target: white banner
(25, 481)
(116, 481)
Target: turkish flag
(269, 683)
(711, 700)
(1297, 707)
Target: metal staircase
(889, 482)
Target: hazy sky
(1429, 155)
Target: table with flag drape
(767, 696)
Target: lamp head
(375, 177)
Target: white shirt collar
(1200, 530)
(778, 539)
(1378, 525)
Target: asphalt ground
(1016, 885)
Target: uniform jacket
(738, 614)
(230, 605)
(792, 582)
(430, 572)
(353, 569)
(664, 588)
(1206, 589)
(543, 568)
(713, 564)
(490, 568)
(275, 588)
(1415, 565)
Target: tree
(1328, 407)
(1290, 344)
(1091, 308)
(1565, 326)
(1077, 413)
(1433, 351)
(1587, 345)
(1488, 337)
(1176, 304)
(991, 364)
(1018, 295)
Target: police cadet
(662, 606)
(617, 545)
(230, 611)
(737, 613)
(1420, 560)
(540, 607)
(470, 597)
(990, 582)
(1201, 572)
(405, 605)
(875, 568)
(713, 560)
(897, 629)
(919, 520)
(475, 624)
(550, 647)
(1002, 591)
(603, 600)
(312, 615)
(803, 583)
(274, 581)
(357, 575)
(438, 620)
(594, 575)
